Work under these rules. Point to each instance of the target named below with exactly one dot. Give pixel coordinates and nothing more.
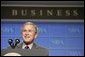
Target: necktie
(26, 47)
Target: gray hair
(30, 23)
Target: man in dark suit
(28, 47)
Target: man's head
(29, 32)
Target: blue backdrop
(60, 38)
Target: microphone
(13, 45)
(10, 41)
(17, 41)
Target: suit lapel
(20, 46)
(33, 47)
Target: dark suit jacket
(35, 51)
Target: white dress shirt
(24, 45)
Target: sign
(10, 12)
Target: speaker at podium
(17, 50)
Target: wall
(60, 38)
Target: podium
(23, 52)
(17, 52)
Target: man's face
(28, 33)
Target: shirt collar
(30, 45)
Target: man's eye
(27, 30)
(30, 30)
(24, 30)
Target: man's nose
(27, 33)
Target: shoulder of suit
(42, 50)
(39, 47)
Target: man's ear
(36, 33)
